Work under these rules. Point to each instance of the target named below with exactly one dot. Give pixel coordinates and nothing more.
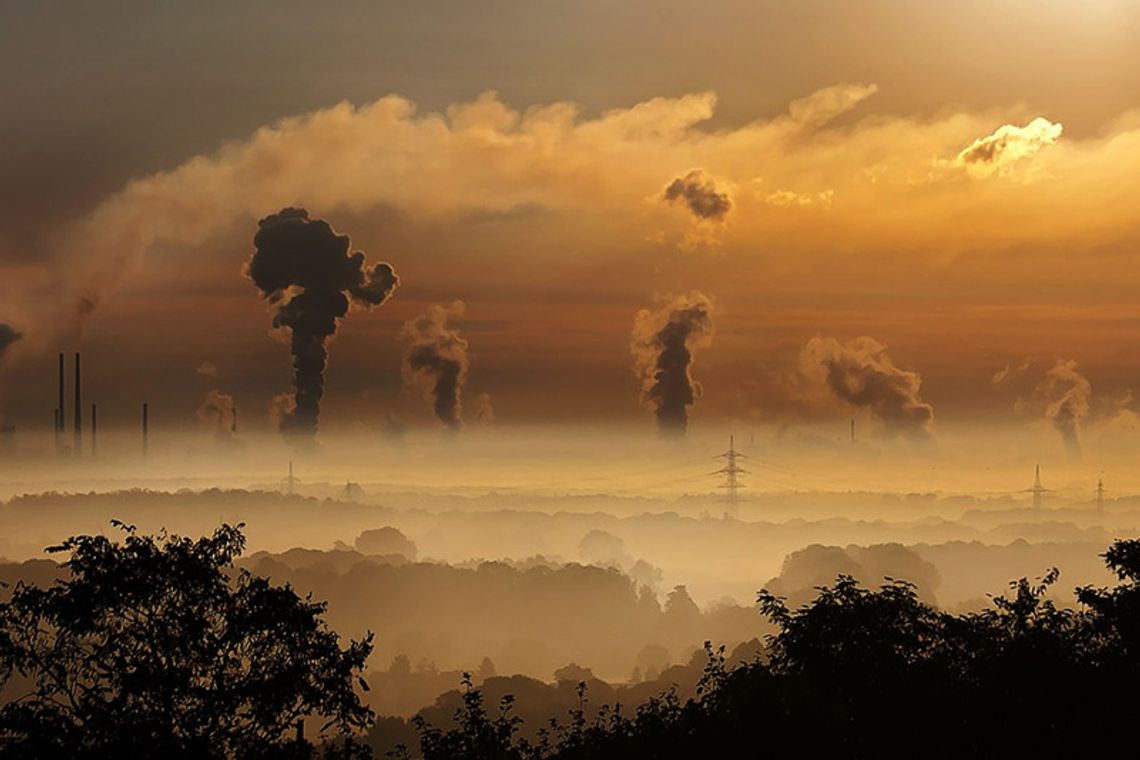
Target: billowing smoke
(305, 270)
(663, 343)
(700, 194)
(1066, 393)
(220, 411)
(8, 336)
(436, 360)
(859, 373)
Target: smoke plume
(484, 409)
(8, 336)
(1066, 393)
(699, 193)
(663, 343)
(219, 410)
(437, 360)
(859, 373)
(305, 270)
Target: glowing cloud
(997, 152)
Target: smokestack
(852, 430)
(78, 410)
(145, 428)
(94, 422)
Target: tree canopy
(156, 646)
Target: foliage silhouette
(860, 673)
(154, 646)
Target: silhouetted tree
(155, 647)
(856, 672)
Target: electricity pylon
(731, 483)
(1038, 490)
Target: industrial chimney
(145, 428)
(94, 421)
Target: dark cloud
(700, 195)
(859, 373)
(663, 343)
(437, 360)
(305, 270)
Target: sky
(915, 214)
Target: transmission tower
(731, 482)
(1038, 490)
(291, 481)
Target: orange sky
(961, 195)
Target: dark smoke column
(663, 343)
(305, 269)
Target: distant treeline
(867, 674)
(533, 618)
(160, 646)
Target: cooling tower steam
(860, 373)
(304, 269)
(218, 409)
(663, 344)
(436, 360)
(1066, 393)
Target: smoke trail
(8, 336)
(663, 343)
(861, 374)
(437, 360)
(218, 409)
(305, 269)
(1066, 393)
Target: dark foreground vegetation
(159, 647)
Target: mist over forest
(534, 590)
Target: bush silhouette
(154, 646)
(857, 672)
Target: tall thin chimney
(852, 430)
(94, 421)
(146, 428)
(78, 410)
